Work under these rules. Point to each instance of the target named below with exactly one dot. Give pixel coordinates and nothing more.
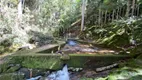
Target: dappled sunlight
(96, 39)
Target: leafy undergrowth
(131, 70)
(120, 33)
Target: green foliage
(10, 34)
(118, 33)
(5, 45)
(12, 76)
(3, 68)
(49, 18)
(56, 15)
(52, 62)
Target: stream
(68, 73)
(76, 73)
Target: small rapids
(65, 73)
(58, 75)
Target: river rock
(12, 76)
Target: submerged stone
(26, 72)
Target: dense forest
(106, 26)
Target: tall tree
(83, 11)
(20, 9)
(133, 7)
(128, 8)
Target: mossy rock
(50, 48)
(12, 76)
(43, 58)
(138, 77)
(111, 78)
(86, 79)
(131, 70)
(4, 67)
(13, 69)
(38, 61)
(56, 61)
(93, 61)
(125, 73)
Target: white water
(59, 75)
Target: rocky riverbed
(12, 71)
(17, 72)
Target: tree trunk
(133, 7)
(120, 12)
(99, 19)
(123, 11)
(101, 22)
(109, 14)
(105, 17)
(17, 30)
(138, 10)
(113, 15)
(83, 11)
(117, 14)
(128, 8)
(20, 9)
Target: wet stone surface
(79, 48)
(74, 73)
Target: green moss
(3, 67)
(138, 77)
(12, 76)
(93, 61)
(13, 69)
(111, 78)
(139, 57)
(136, 63)
(65, 57)
(130, 70)
(86, 79)
(55, 61)
(38, 61)
(100, 79)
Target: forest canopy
(106, 21)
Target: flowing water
(57, 75)
(68, 74)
